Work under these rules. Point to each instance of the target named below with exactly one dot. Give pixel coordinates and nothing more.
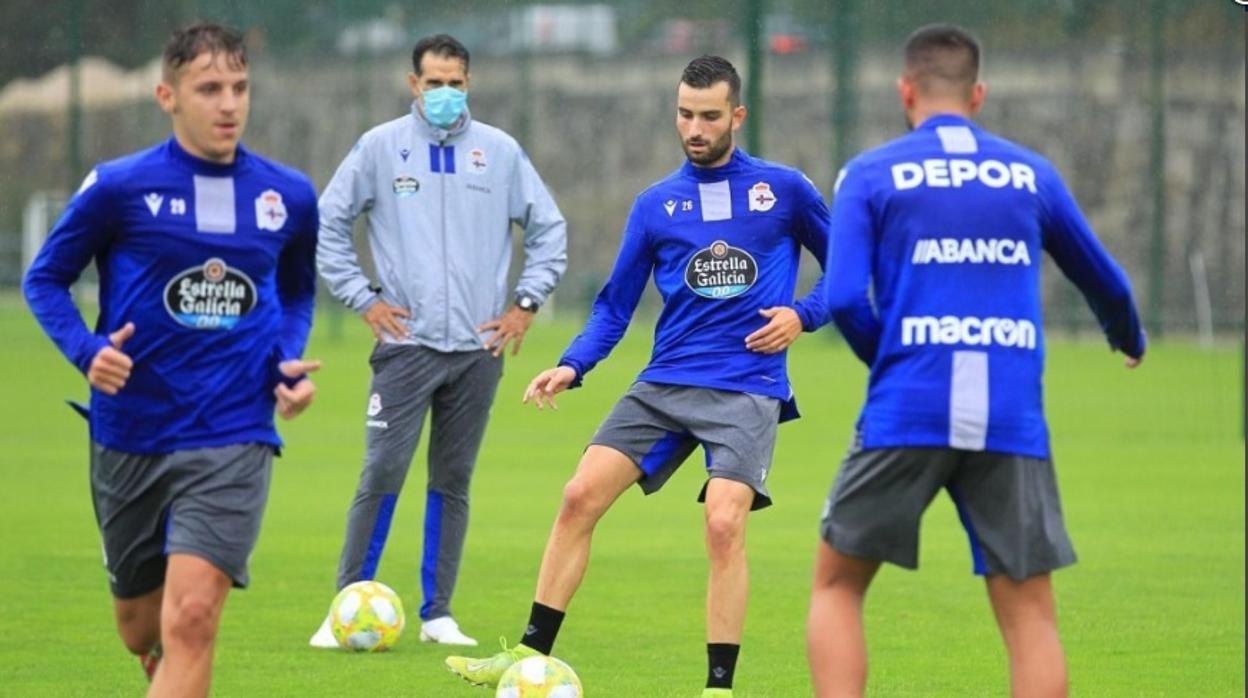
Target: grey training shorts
(1008, 505)
(205, 502)
(658, 426)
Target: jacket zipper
(446, 274)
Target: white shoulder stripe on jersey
(957, 139)
(214, 204)
(716, 201)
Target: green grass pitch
(1150, 464)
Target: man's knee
(580, 502)
(383, 475)
(138, 635)
(193, 619)
(725, 527)
(835, 570)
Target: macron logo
(968, 251)
(958, 171)
(970, 331)
(154, 201)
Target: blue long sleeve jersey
(935, 283)
(722, 243)
(214, 265)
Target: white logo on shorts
(374, 405)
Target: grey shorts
(1008, 505)
(206, 502)
(658, 426)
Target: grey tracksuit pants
(408, 381)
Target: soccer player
(441, 192)
(935, 283)
(206, 260)
(722, 236)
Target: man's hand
(547, 384)
(510, 326)
(292, 401)
(110, 369)
(383, 317)
(782, 329)
(1132, 362)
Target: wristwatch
(527, 303)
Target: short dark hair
(187, 43)
(704, 71)
(443, 45)
(940, 57)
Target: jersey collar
(735, 165)
(202, 166)
(935, 120)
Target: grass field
(1151, 467)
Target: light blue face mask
(444, 105)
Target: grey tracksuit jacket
(440, 205)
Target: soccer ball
(366, 617)
(539, 677)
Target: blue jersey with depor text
(935, 283)
(215, 266)
(722, 243)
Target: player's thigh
(602, 475)
(738, 433)
(639, 428)
(1011, 509)
(878, 499)
(131, 495)
(217, 512)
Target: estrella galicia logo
(405, 185)
(721, 271)
(210, 296)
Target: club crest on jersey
(476, 161)
(761, 197)
(210, 296)
(721, 271)
(270, 211)
(405, 186)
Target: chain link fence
(1140, 105)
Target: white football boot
(444, 631)
(324, 636)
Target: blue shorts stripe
(377, 539)
(661, 452)
(977, 551)
(433, 541)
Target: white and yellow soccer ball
(539, 677)
(367, 617)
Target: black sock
(544, 623)
(721, 664)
